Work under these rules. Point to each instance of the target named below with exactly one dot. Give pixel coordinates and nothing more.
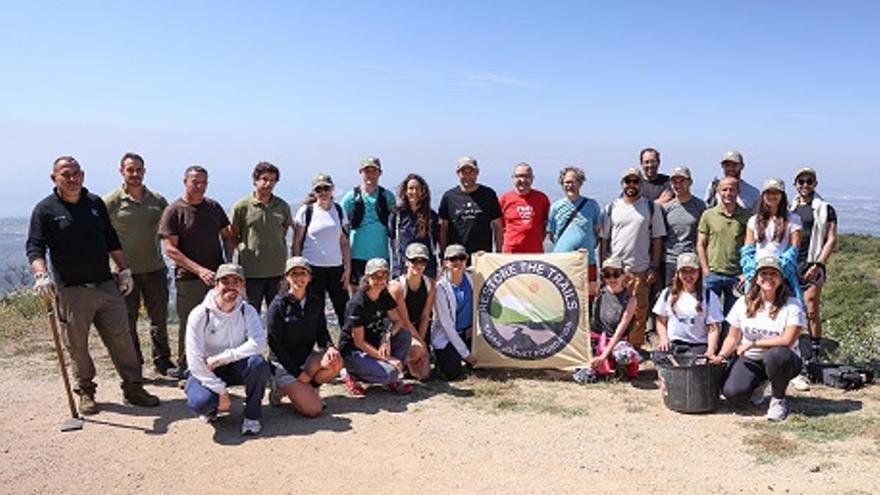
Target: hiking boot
(135, 395)
(87, 404)
(354, 388)
(399, 388)
(800, 383)
(251, 426)
(166, 368)
(757, 397)
(778, 409)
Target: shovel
(75, 422)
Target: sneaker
(399, 388)
(354, 388)
(210, 417)
(135, 395)
(181, 384)
(800, 383)
(778, 409)
(250, 426)
(166, 368)
(87, 404)
(275, 394)
(757, 397)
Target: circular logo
(528, 310)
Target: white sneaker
(757, 397)
(778, 409)
(250, 426)
(208, 418)
(800, 383)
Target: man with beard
(732, 164)
(632, 231)
(524, 214)
(469, 213)
(681, 214)
(225, 341)
(655, 186)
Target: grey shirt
(681, 226)
(631, 228)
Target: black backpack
(357, 214)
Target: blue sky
(317, 86)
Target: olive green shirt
(137, 223)
(262, 235)
(726, 235)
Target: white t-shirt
(686, 324)
(321, 242)
(761, 326)
(770, 247)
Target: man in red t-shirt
(524, 214)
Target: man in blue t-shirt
(367, 207)
(575, 220)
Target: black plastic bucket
(690, 384)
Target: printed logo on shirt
(277, 215)
(154, 208)
(95, 212)
(469, 211)
(525, 212)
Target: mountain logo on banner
(528, 310)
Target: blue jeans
(370, 370)
(252, 372)
(722, 285)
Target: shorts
(282, 377)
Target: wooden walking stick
(75, 422)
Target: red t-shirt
(524, 218)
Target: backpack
(309, 211)
(357, 214)
(610, 207)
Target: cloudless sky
(316, 86)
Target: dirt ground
(499, 432)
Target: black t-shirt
(652, 189)
(806, 214)
(78, 236)
(361, 311)
(294, 330)
(470, 217)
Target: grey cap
(417, 250)
(733, 156)
(687, 260)
(376, 265)
(630, 172)
(773, 184)
(297, 262)
(467, 161)
(613, 262)
(769, 262)
(370, 161)
(680, 171)
(804, 171)
(454, 250)
(322, 180)
(229, 269)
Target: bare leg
(419, 363)
(304, 398)
(321, 370)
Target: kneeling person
(224, 345)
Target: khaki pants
(190, 293)
(641, 290)
(102, 305)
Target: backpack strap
(357, 212)
(382, 210)
(571, 216)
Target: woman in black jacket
(296, 323)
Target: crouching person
(224, 345)
(613, 314)
(764, 329)
(296, 324)
(453, 314)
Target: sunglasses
(417, 261)
(321, 189)
(768, 274)
(612, 275)
(806, 182)
(632, 181)
(457, 258)
(378, 275)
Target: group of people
(396, 274)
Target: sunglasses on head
(806, 182)
(460, 257)
(612, 274)
(321, 189)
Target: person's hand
(598, 360)
(332, 355)
(745, 346)
(304, 378)
(346, 279)
(212, 362)
(812, 273)
(125, 282)
(396, 363)
(224, 403)
(714, 358)
(44, 286)
(664, 345)
(207, 276)
(384, 351)
(650, 277)
(471, 360)
(665, 197)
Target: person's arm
(345, 246)
(229, 243)
(444, 314)
(498, 233)
(604, 235)
(443, 237)
(181, 260)
(196, 358)
(702, 243)
(253, 345)
(656, 256)
(395, 288)
(830, 243)
(425, 319)
(661, 321)
(714, 331)
(299, 233)
(714, 318)
(734, 334)
(357, 334)
(119, 258)
(275, 321)
(625, 319)
(750, 235)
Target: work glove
(125, 282)
(44, 286)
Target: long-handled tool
(75, 422)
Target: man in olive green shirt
(135, 212)
(260, 222)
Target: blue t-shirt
(581, 231)
(370, 239)
(464, 307)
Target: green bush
(24, 302)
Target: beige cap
(681, 171)
(370, 161)
(467, 161)
(417, 250)
(630, 172)
(454, 250)
(804, 171)
(773, 184)
(687, 260)
(733, 156)
(769, 262)
(322, 180)
(227, 269)
(297, 262)
(376, 265)
(613, 262)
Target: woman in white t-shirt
(773, 229)
(764, 329)
(688, 315)
(319, 235)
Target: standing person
(655, 186)
(682, 215)
(413, 220)
(192, 228)
(134, 212)
(320, 236)
(773, 228)
(296, 325)
(720, 235)
(413, 292)
(469, 213)
(524, 214)
(225, 341)
(818, 240)
(371, 352)
(732, 165)
(633, 229)
(453, 314)
(764, 328)
(259, 226)
(574, 220)
(613, 316)
(72, 226)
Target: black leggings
(449, 361)
(327, 280)
(778, 365)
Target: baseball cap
(227, 269)
(467, 161)
(322, 180)
(631, 171)
(773, 184)
(376, 265)
(297, 262)
(733, 156)
(613, 262)
(454, 250)
(805, 170)
(370, 161)
(680, 171)
(769, 262)
(417, 250)
(687, 260)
